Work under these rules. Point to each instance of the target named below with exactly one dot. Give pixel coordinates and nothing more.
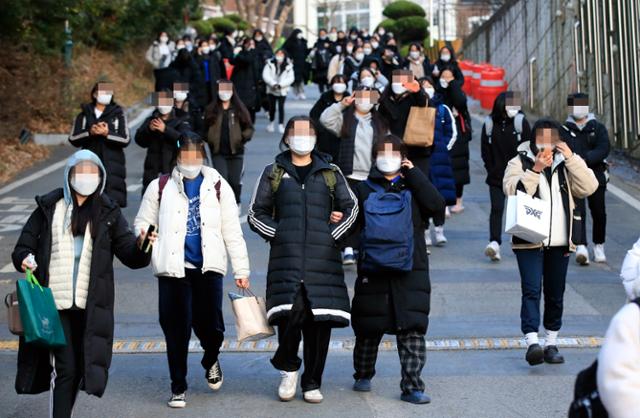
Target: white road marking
(19, 208)
(624, 196)
(134, 187)
(8, 268)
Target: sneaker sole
(554, 362)
(313, 400)
(287, 399)
(348, 262)
(441, 243)
(492, 254)
(217, 386)
(178, 405)
(536, 360)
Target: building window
(343, 14)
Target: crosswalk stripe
(8, 268)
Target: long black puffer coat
(246, 73)
(161, 147)
(391, 304)
(303, 243)
(457, 102)
(113, 237)
(110, 149)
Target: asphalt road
(473, 300)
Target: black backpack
(586, 398)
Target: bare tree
(254, 11)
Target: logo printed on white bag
(531, 211)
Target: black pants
(497, 210)
(279, 100)
(193, 301)
(68, 362)
(459, 190)
(322, 86)
(598, 213)
(231, 168)
(412, 350)
(317, 335)
(542, 271)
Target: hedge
(403, 8)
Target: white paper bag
(528, 218)
(251, 317)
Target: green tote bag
(40, 318)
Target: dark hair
(416, 44)
(397, 143)
(191, 139)
(571, 97)
(337, 78)
(213, 109)
(88, 213)
(349, 124)
(94, 90)
(451, 52)
(544, 123)
(498, 113)
(299, 118)
(257, 31)
(427, 78)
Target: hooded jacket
(278, 74)
(109, 149)
(445, 136)
(113, 237)
(246, 73)
(304, 244)
(567, 180)
(591, 142)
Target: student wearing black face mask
(302, 205)
(547, 169)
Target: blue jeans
(542, 270)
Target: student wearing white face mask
(368, 76)
(229, 128)
(195, 212)
(303, 206)
(278, 75)
(393, 291)
(417, 62)
(328, 142)
(101, 127)
(69, 242)
(447, 61)
(503, 131)
(161, 52)
(353, 62)
(159, 134)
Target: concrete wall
(542, 29)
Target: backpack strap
(162, 182)
(375, 186)
(276, 175)
(517, 124)
(488, 127)
(330, 180)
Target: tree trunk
(251, 11)
(262, 8)
(241, 9)
(273, 9)
(282, 20)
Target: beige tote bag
(420, 127)
(251, 316)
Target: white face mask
(354, 37)
(367, 81)
(279, 58)
(85, 184)
(388, 165)
(189, 46)
(339, 87)
(445, 57)
(375, 45)
(349, 49)
(367, 51)
(299, 35)
(359, 56)
(180, 96)
(381, 31)
(333, 37)
(258, 38)
(414, 54)
(302, 145)
(580, 112)
(164, 39)
(444, 83)
(104, 99)
(225, 96)
(179, 47)
(430, 91)
(512, 111)
(364, 107)
(206, 49)
(164, 110)
(398, 88)
(338, 49)
(190, 171)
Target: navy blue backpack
(387, 238)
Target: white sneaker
(281, 128)
(582, 255)
(271, 127)
(493, 251)
(427, 237)
(598, 254)
(313, 396)
(178, 400)
(440, 238)
(288, 385)
(447, 213)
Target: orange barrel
(467, 71)
(491, 85)
(476, 75)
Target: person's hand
(346, 102)
(276, 86)
(412, 86)
(406, 163)
(29, 262)
(143, 235)
(242, 283)
(160, 125)
(336, 217)
(103, 128)
(435, 71)
(543, 160)
(564, 149)
(94, 130)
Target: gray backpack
(517, 124)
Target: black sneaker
(552, 356)
(214, 376)
(535, 355)
(177, 400)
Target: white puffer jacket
(219, 223)
(271, 77)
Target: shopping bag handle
(31, 279)
(249, 292)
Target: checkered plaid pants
(412, 350)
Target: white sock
(550, 337)
(348, 251)
(531, 338)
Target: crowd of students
(348, 187)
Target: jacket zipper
(304, 225)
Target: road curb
(153, 346)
